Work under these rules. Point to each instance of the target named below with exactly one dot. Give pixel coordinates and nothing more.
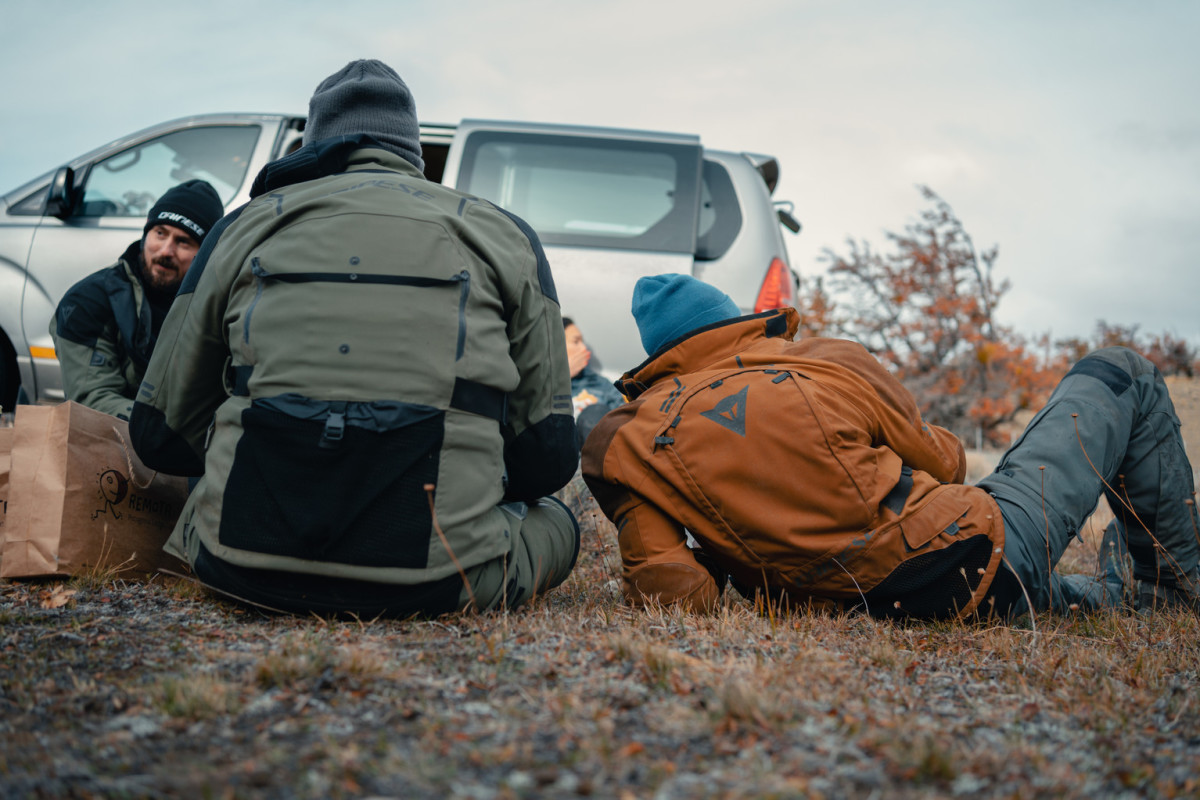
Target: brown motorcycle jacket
(802, 468)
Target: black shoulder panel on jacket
(158, 446)
(83, 313)
(197, 269)
(542, 459)
(545, 279)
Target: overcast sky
(1067, 133)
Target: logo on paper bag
(117, 499)
(113, 488)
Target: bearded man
(106, 325)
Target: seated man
(804, 470)
(592, 394)
(105, 326)
(369, 371)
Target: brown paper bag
(80, 500)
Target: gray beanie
(366, 96)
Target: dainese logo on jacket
(730, 413)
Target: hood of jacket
(327, 157)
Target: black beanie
(193, 207)
(368, 97)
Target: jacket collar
(127, 300)
(708, 345)
(326, 157)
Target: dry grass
(158, 690)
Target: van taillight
(777, 290)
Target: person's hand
(578, 359)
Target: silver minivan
(609, 205)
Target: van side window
(590, 192)
(32, 205)
(128, 183)
(720, 213)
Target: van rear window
(589, 191)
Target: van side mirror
(60, 201)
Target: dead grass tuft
(311, 655)
(195, 698)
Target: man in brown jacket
(803, 470)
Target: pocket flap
(939, 515)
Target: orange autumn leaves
(927, 309)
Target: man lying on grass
(804, 472)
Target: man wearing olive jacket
(804, 471)
(369, 371)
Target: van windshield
(595, 192)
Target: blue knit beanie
(666, 307)
(366, 96)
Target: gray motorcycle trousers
(1109, 428)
